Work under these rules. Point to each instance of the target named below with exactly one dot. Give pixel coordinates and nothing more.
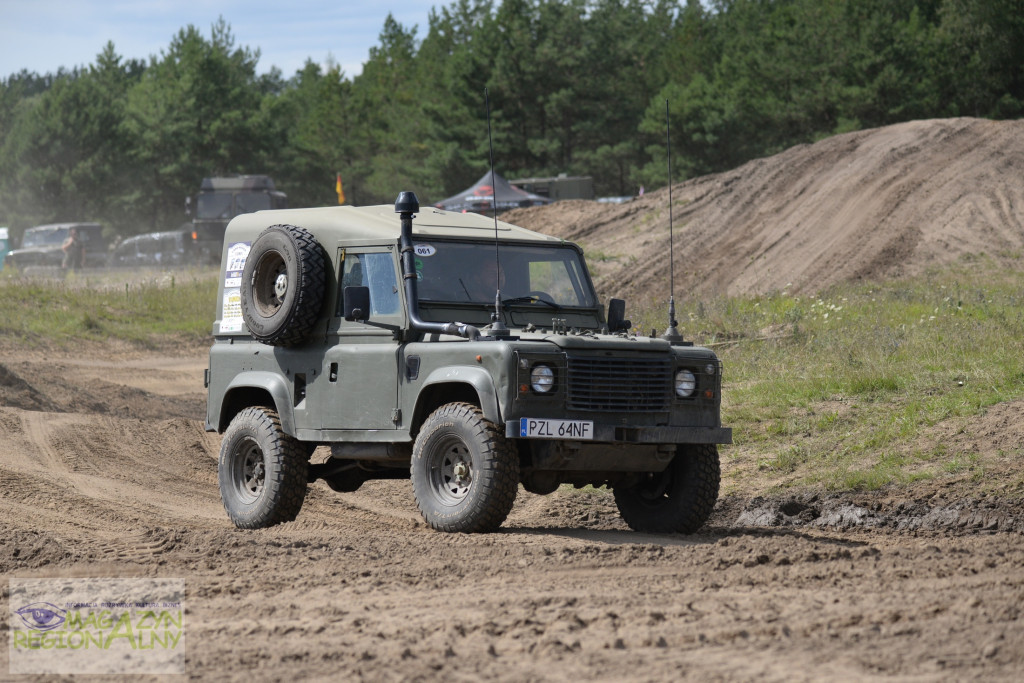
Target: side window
(375, 270)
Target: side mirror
(357, 303)
(188, 206)
(616, 316)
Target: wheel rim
(270, 284)
(451, 471)
(249, 471)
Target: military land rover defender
(383, 338)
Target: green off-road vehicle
(383, 338)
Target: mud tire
(262, 471)
(465, 474)
(678, 500)
(283, 285)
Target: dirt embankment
(866, 205)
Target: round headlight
(686, 383)
(542, 379)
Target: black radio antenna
(497, 323)
(672, 333)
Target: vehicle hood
(611, 342)
(42, 249)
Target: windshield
(247, 202)
(39, 238)
(219, 204)
(467, 272)
(214, 205)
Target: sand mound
(872, 204)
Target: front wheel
(677, 500)
(465, 474)
(262, 471)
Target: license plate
(532, 428)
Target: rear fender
(255, 388)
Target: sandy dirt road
(105, 471)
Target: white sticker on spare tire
(424, 249)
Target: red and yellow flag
(340, 190)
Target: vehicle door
(360, 376)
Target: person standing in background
(74, 251)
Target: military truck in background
(221, 199)
(338, 326)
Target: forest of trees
(576, 86)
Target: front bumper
(645, 435)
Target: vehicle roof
(241, 182)
(551, 178)
(378, 223)
(58, 226)
(153, 236)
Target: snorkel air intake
(406, 206)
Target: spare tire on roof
(283, 285)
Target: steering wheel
(543, 296)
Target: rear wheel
(679, 499)
(262, 471)
(465, 474)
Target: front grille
(619, 384)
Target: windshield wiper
(530, 300)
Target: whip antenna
(497, 324)
(672, 333)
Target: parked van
(171, 248)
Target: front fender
(478, 378)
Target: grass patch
(845, 389)
(107, 305)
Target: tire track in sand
(55, 454)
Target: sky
(44, 35)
